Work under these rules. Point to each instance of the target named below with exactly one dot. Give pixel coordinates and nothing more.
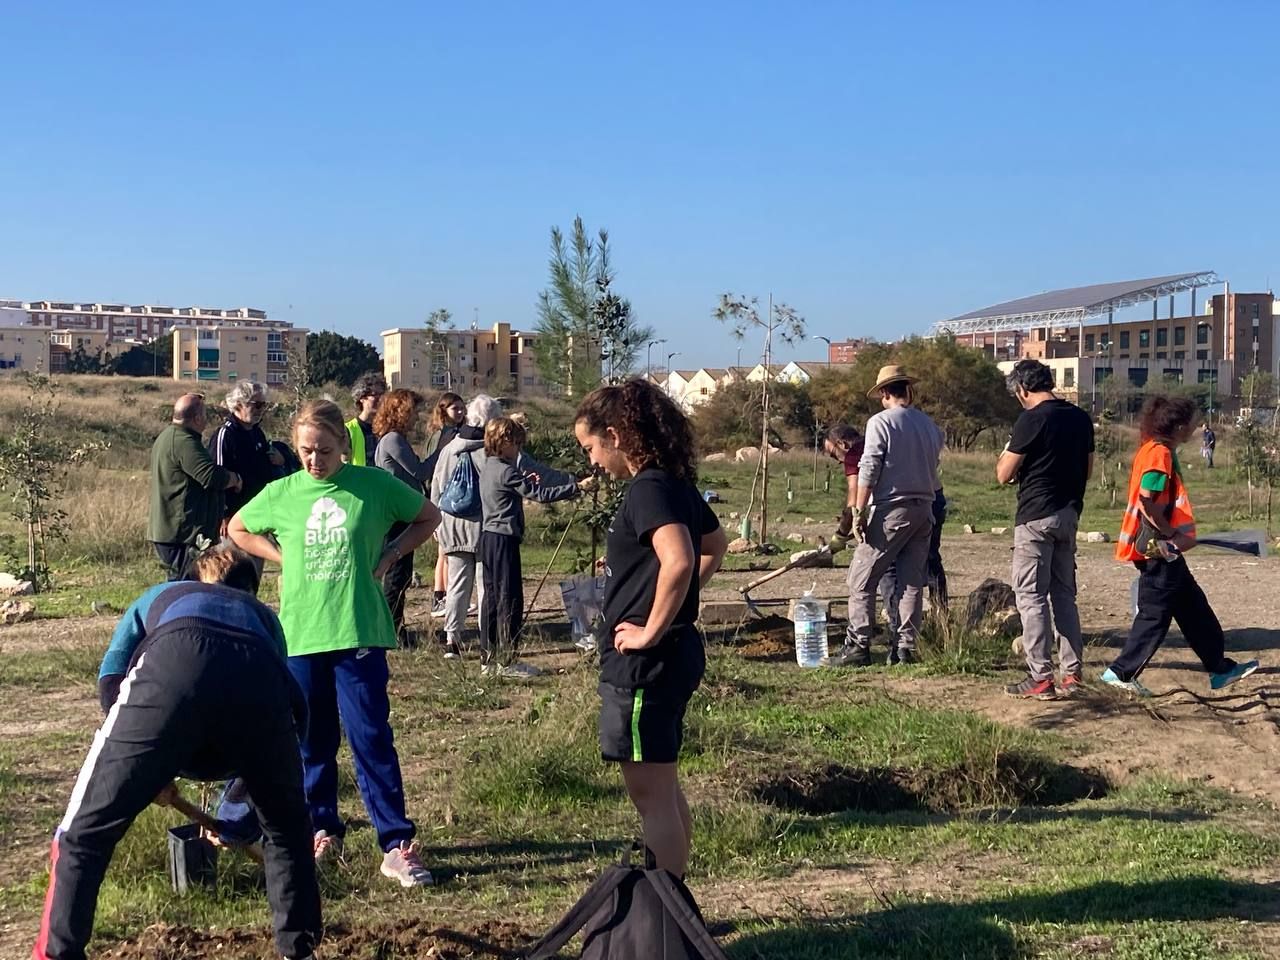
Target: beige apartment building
(64, 343)
(499, 360)
(239, 350)
(119, 321)
(24, 348)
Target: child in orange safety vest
(1159, 526)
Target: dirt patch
(409, 939)
(1014, 781)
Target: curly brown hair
(1164, 418)
(396, 411)
(438, 412)
(501, 431)
(651, 429)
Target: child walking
(503, 490)
(1159, 527)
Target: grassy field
(871, 814)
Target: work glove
(838, 542)
(846, 523)
(860, 524)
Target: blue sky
(877, 166)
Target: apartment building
(238, 350)
(64, 343)
(119, 321)
(22, 348)
(498, 359)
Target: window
(1162, 354)
(1202, 333)
(253, 358)
(1124, 339)
(1101, 375)
(1144, 339)
(186, 356)
(1204, 376)
(231, 356)
(1068, 377)
(1179, 354)
(1179, 336)
(275, 376)
(1144, 355)
(1162, 337)
(1088, 342)
(528, 382)
(414, 364)
(276, 357)
(1202, 354)
(1173, 374)
(1138, 376)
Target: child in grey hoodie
(503, 490)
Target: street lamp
(674, 353)
(648, 358)
(827, 341)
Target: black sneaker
(905, 656)
(452, 651)
(848, 656)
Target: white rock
(1098, 536)
(795, 538)
(740, 545)
(968, 528)
(715, 458)
(11, 586)
(999, 531)
(809, 520)
(16, 611)
(746, 453)
(734, 515)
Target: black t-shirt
(654, 499)
(1055, 438)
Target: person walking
(1208, 443)
(393, 423)
(459, 533)
(891, 516)
(241, 446)
(503, 490)
(1159, 526)
(663, 546)
(367, 392)
(331, 520)
(448, 415)
(1050, 457)
(187, 487)
(200, 690)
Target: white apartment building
(119, 321)
(228, 352)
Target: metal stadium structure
(1073, 305)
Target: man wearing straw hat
(891, 517)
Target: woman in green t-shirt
(330, 520)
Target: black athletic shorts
(646, 724)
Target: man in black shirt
(1050, 455)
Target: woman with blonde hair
(331, 520)
(394, 423)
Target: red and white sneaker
(403, 864)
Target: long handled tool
(199, 815)
(802, 560)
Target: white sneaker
(437, 609)
(473, 610)
(403, 864)
(586, 643)
(325, 846)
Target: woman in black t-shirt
(664, 543)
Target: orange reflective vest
(1172, 501)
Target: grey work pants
(1044, 584)
(895, 532)
(461, 575)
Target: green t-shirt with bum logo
(331, 535)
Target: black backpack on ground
(631, 913)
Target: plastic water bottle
(810, 618)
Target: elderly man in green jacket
(186, 487)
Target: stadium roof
(1074, 304)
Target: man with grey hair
(1050, 456)
(459, 536)
(186, 487)
(367, 392)
(240, 445)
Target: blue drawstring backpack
(461, 495)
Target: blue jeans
(351, 684)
